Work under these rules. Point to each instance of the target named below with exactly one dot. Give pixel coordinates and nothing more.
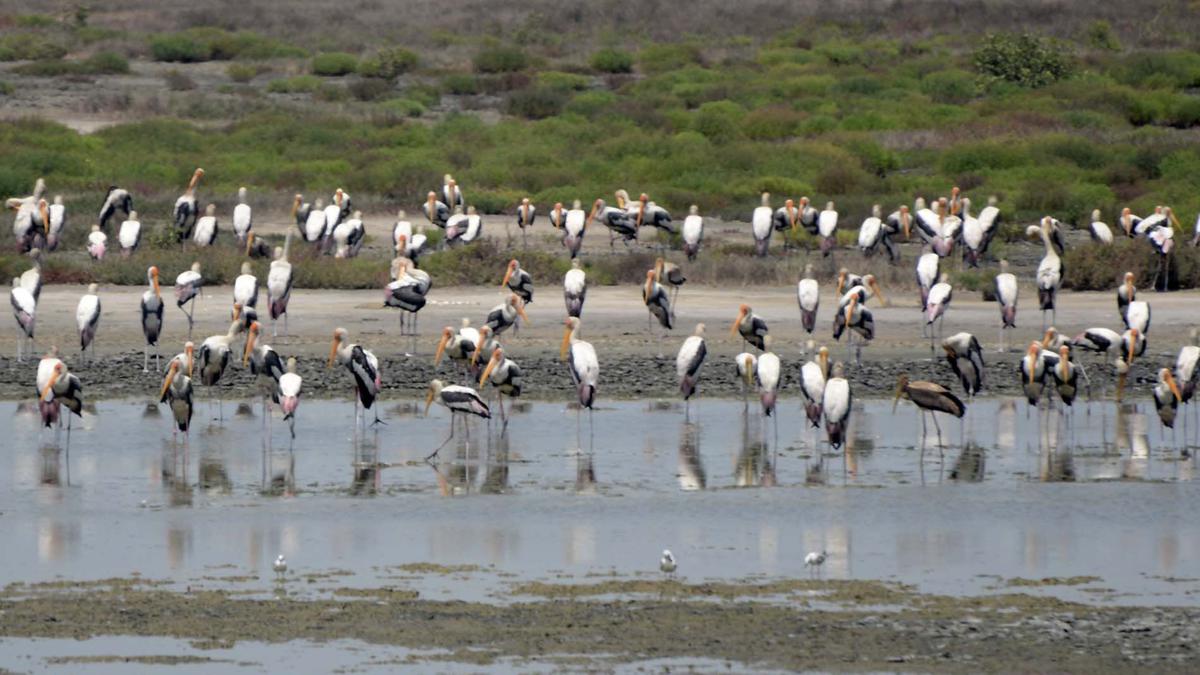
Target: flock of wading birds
(943, 225)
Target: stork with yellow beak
(1033, 373)
(152, 319)
(186, 211)
(750, 326)
(582, 363)
(177, 389)
(25, 312)
(437, 212)
(459, 345)
(1167, 397)
(504, 316)
(575, 223)
(518, 281)
(363, 367)
(459, 400)
(266, 366)
(505, 376)
(746, 364)
(813, 375)
(526, 214)
(56, 387)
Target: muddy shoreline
(792, 624)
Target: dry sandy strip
(634, 360)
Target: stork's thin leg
(939, 432)
(145, 357)
(377, 421)
(157, 358)
(448, 439)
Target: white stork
(116, 198)
(836, 406)
(1033, 372)
(451, 193)
(750, 326)
(518, 281)
(965, 357)
(87, 319)
(689, 361)
(1126, 293)
(290, 384)
(187, 290)
(186, 210)
(582, 363)
(812, 384)
(1006, 295)
(870, 233)
(526, 214)
(746, 364)
(574, 225)
(205, 233)
(936, 306)
(152, 319)
(693, 232)
(575, 289)
(96, 243)
(505, 375)
(1186, 370)
(974, 237)
(58, 219)
(1101, 232)
(25, 312)
(31, 279)
(129, 234)
(348, 236)
(1137, 315)
(1049, 271)
(808, 296)
(761, 223)
(280, 277)
(827, 222)
(459, 400)
(928, 272)
(363, 367)
(242, 217)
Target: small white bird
(667, 562)
(280, 566)
(814, 560)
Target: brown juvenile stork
(929, 397)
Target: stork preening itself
(187, 291)
(689, 361)
(929, 397)
(129, 234)
(363, 367)
(97, 243)
(186, 211)
(750, 326)
(965, 357)
(116, 199)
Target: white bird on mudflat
(129, 234)
(836, 406)
(186, 211)
(187, 290)
(290, 384)
(87, 319)
(334, 214)
(762, 225)
(348, 236)
(280, 565)
(437, 212)
(152, 319)
(870, 233)
(689, 361)
(937, 304)
(1126, 293)
(767, 371)
(504, 315)
(1101, 232)
(518, 281)
(750, 326)
(363, 367)
(582, 363)
(1167, 397)
(245, 287)
(97, 242)
(116, 198)
(827, 222)
(402, 227)
(315, 224)
(667, 563)
(574, 225)
(474, 226)
(1006, 295)
(242, 217)
(177, 391)
(58, 220)
(25, 312)
(814, 560)
(31, 279)
(657, 303)
(746, 364)
(813, 375)
(973, 234)
(808, 295)
(205, 233)
(693, 232)
(558, 216)
(279, 285)
(456, 226)
(575, 289)
(451, 192)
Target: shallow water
(1029, 497)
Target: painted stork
(459, 345)
(363, 367)
(931, 398)
(654, 215)
(459, 400)
(965, 357)
(897, 221)
(936, 305)
(836, 405)
(57, 387)
(762, 225)
(96, 243)
(672, 274)
(518, 281)
(414, 243)
(177, 392)
(812, 384)
(474, 226)
(186, 211)
(582, 363)
(871, 232)
(485, 343)
(827, 222)
(451, 193)
(574, 225)
(526, 214)
(747, 364)
(315, 224)
(808, 296)
(693, 232)
(348, 236)
(245, 288)
(1137, 315)
(1167, 397)
(57, 219)
(152, 319)
(504, 315)
(456, 226)
(1162, 237)
(616, 220)
(403, 227)
(858, 319)
(290, 384)
(1133, 345)
(1100, 231)
(575, 289)
(129, 234)
(1099, 340)
(435, 211)
(974, 237)
(1049, 271)
(242, 220)
(256, 247)
(25, 312)
(335, 213)
(750, 326)
(215, 352)
(31, 279)
(280, 277)
(1129, 223)
(657, 302)
(928, 272)
(1065, 375)
(187, 290)
(1006, 295)
(87, 319)
(1186, 371)
(807, 217)
(689, 361)
(558, 216)
(989, 219)
(505, 376)
(767, 371)
(1126, 293)
(1033, 373)
(407, 293)
(265, 365)
(116, 198)
(301, 210)
(205, 232)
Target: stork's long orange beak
(566, 343)
(332, 352)
(250, 340)
(1033, 354)
(878, 292)
(519, 305)
(428, 401)
(441, 348)
(507, 275)
(1132, 346)
(44, 211)
(54, 375)
(189, 350)
(591, 214)
(733, 330)
(492, 363)
(1170, 379)
(167, 380)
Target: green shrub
(214, 44)
(718, 120)
(370, 89)
(332, 93)
(1177, 69)
(20, 46)
(839, 179)
(299, 84)
(179, 48)
(612, 60)
(661, 58)
(241, 72)
(863, 85)
(461, 84)
(843, 54)
(403, 107)
(564, 82)
(107, 63)
(873, 157)
(772, 123)
(949, 86)
(1024, 59)
(535, 103)
(334, 64)
(388, 64)
(591, 103)
(1100, 35)
(6, 89)
(500, 59)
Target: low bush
(612, 60)
(370, 89)
(461, 84)
(1024, 59)
(20, 46)
(1093, 267)
(949, 86)
(500, 59)
(334, 64)
(241, 72)
(214, 44)
(535, 103)
(299, 84)
(662, 58)
(388, 64)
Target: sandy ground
(634, 360)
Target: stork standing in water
(186, 211)
(836, 406)
(56, 387)
(459, 345)
(505, 376)
(762, 225)
(25, 312)
(689, 361)
(808, 295)
(289, 394)
(936, 305)
(1166, 398)
(813, 375)
(187, 290)
(116, 198)
(363, 367)
(1049, 271)
(526, 214)
(518, 281)
(87, 319)
(574, 225)
(575, 289)
(152, 319)
(582, 365)
(858, 319)
(750, 326)
(767, 371)
(279, 286)
(965, 357)
(693, 233)
(215, 353)
(1006, 296)
(242, 218)
(746, 364)
(129, 234)
(1186, 372)
(932, 398)
(459, 400)
(267, 368)
(177, 391)
(97, 242)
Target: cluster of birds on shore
(942, 225)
